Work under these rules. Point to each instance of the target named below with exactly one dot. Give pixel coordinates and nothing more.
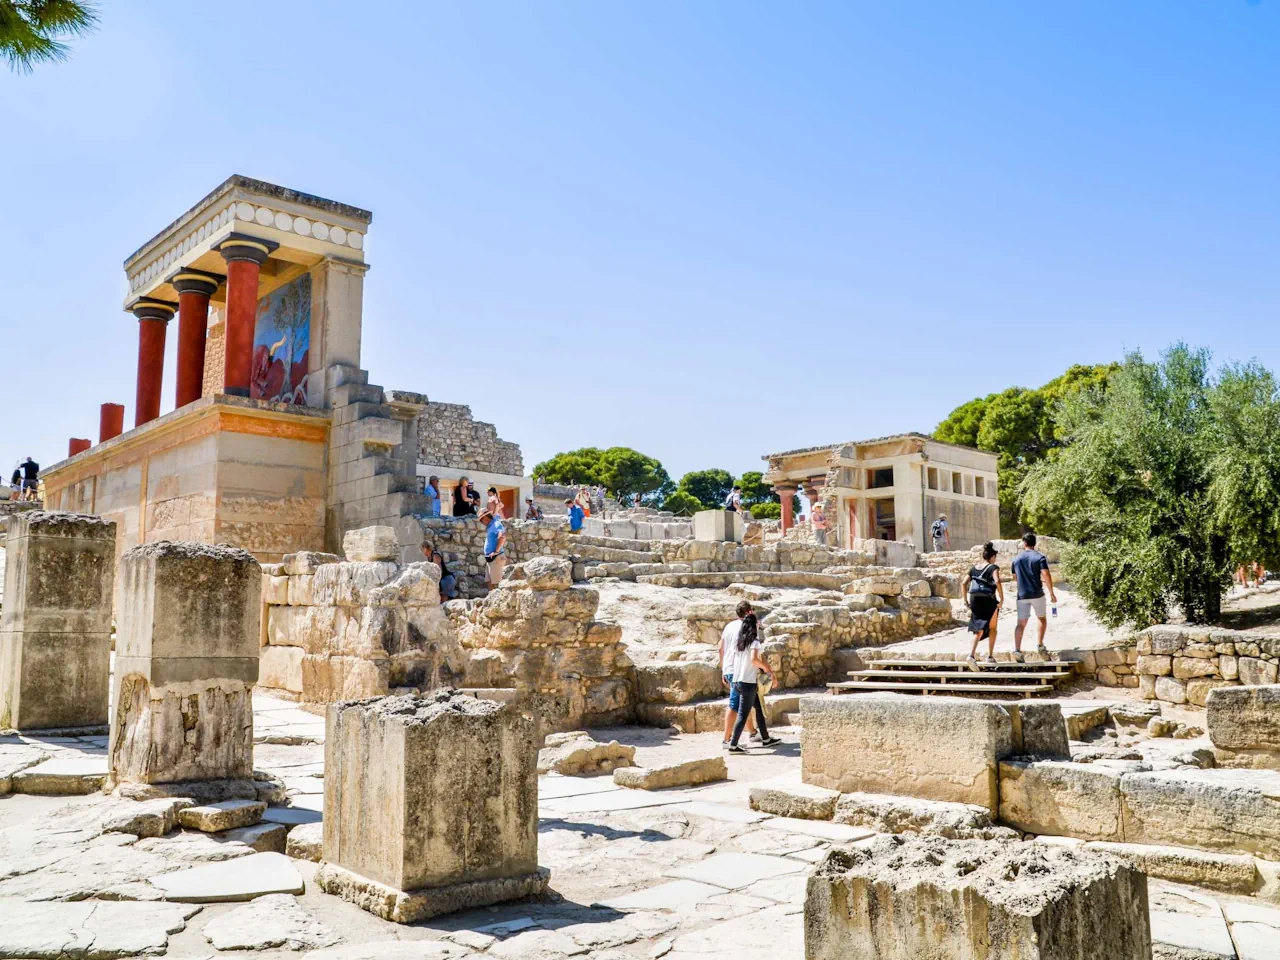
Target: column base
(401, 907)
(268, 789)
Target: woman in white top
(746, 671)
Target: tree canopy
(30, 30)
(1021, 427)
(621, 470)
(709, 487)
(1165, 481)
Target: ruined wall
(448, 436)
(215, 354)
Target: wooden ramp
(956, 676)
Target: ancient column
(55, 631)
(194, 287)
(430, 806)
(153, 316)
(186, 662)
(110, 421)
(785, 492)
(244, 256)
(78, 445)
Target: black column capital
(190, 280)
(148, 308)
(242, 246)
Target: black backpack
(939, 527)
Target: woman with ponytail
(746, 671)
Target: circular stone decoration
(320, 231)
(355, 240)
(284, 221)
(244, 211)
(301, 226)
(264, 216)
(338, 235)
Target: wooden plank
(853, 686)
(953, 675)
(958, 664)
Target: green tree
(708, 487)
(1167, 481)
(30, 30)
(682, 504)
(766, 511)
(754, 489)
(574, 467)
(621, 470)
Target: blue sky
(705, 230)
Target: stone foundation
(1244, 726)
(55, 632)
(907, 899)
(1184, 664)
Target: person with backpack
(747, 664)
(733, 501)
(941, 533)
(983, 595)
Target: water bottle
(1055, 609)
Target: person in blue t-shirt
(575, 515)
(432, 490)
(495, 548)
(1031, 570)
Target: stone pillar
(55, 631)
(153, 316)
(110, 421)
(194, 287)
(186, 663)
(431, 805)
(78, 445)
(785, 492)
(244, 256)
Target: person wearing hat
(495, 548)
(941, 534)
(531, 512)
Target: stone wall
(448, 436)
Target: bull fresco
(282, 344)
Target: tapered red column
(194, 287)
(110, 421)
(153, 316)
(785, 493)
(78, 445)
(244, 256)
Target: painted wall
(282, 344)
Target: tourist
(584, 501)
(733, 502)
(747, 665)
(1031, 568)
(728, 654)
(494, 505)
(495, 548)
(30, 479)
(983, 595)
(15, 483)
(448, 581)
(531, 510)
(941, 531)
(433, 491)
(637, 502)
(463, 504)
(819, 524)
(575, 515)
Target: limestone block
(1061, 799)
(907, 898)
(350, 584)
(1204, 651)
(576, 753)
(1129, 713)
(300, 592)
(275, 589)
(1233, 873)
(55, 626)
(681, 773)
(543, 573)
(1186, 668)
(678, 681)
(327, 678)
(1039, 730)
(881, 587)
(917, 588)
(306, 562)
(1109, 656)
(1229, 667)
(1170, 690)
(225, 815)
(1198, 690)
(1256, 672)
(306, 842)
(886, 814)
(789, 796)
(945, 585)
(281, 668)
(1155, 666)
(890, 744)
(1244, 718)
(1229, 811)
(1147, 687)
(717, 526)
(434, 798)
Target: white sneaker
(971, 663)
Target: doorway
(884, 520)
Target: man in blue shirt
(433, 491)
(575, 515)
(495, 548)
(1031, 570)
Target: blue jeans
(747, 692)
(734, 696)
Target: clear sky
(708, 230)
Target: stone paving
(680, 873)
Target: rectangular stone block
(900, 898)
(371, 543)
(1039, 730)
(429, 792)
(895, 744)
(718, 526)
(55, 628)
(1230, 811)
(1061, 799)
(1244, 718)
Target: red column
(194, 289)
(110, 421)
(153, 316)
(244, 256)
(785, 493)
(77, 445)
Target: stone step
(985, 672)
(362, 410)
(926, 687)
(587, 551)
(961, 665)
(762, 578)
(356, 393)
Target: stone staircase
(951, 677)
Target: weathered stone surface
(88, 930)
(1155, 666)
(371, 544)
(149, 818)
(679, 681)
(1061, 799)
(888, 814)
(1233, 873)
(1244, 718)
(891, 744)
(276, 920)
(55, 626)
(186, 661)
(243, 878)
(1133, 713)
(1039, 730)
(1171, 690)
(577, 753)
(1198, 690)
(677, 774)
(224, 815)
(260, 838)
(1256, 672)
(306, 842)
(62, 776)
(790, 796)
(1230, 811)
(429, 792)
(901, 898)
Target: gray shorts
(1028, 607)
(939, 544)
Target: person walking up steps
(1031, 569)
(747, 665)
(728, 657)
(941, 533)
(984, 595)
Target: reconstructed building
(452, 445)
(893, 488)
(276, 442)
